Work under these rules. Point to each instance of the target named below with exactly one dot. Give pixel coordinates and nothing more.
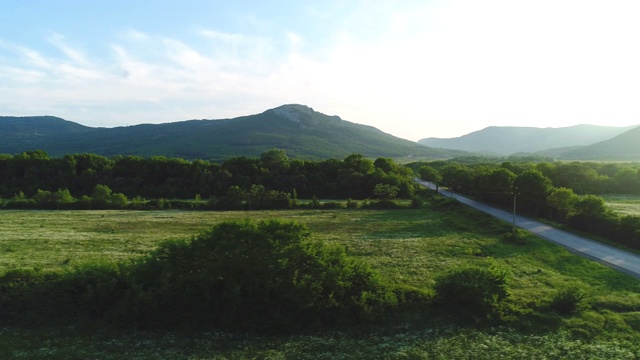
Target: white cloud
(188, 58)
(35, 58)
(222, 36)
(135, 35)
(17, 75)
(294, 39)
(74, 54)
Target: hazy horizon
(413, 69)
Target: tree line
(33, 179)
(563, 192)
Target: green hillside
(298, 129)
(509, 140)
(30, 132)
(625, 146)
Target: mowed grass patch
(623, 204)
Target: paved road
(604, 254)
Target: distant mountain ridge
(512, 140)
(297, 129)
(625, 146)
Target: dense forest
(33, 179)
(565, 192)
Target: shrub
(417, 202)
(569, 300)
(516, 238)
(386, 191)
(473, 291)
(20, 201)
(22, 297)
(381, 204)
(92, 291)
(333, 205)
(352, 204)
(259, 276)
(159, 204)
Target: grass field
(412, 246)
(624, 204)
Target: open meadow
(412, 247)
(623, 204)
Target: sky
(413, 69)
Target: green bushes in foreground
(240, 275)
(473, 291)
(255, 275)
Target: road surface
(607, 255)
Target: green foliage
(590, 206)
(496, 185)
(428, 173)
(19, 294)
(549, 190)
(590, 214)
(159, 177)
(386, 192)
(533, 189)
(100, 195)
(438, 342)
(275, 160)
(562, 201)
(473, 291)
(569, 300)
(265, 275)
(516, 238)
(103, 197)
(20, 201)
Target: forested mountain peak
(298, 129)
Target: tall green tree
(532, 189)
(275, 160)
(428, 173)
(562, 202)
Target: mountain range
(307, 134)
(579, 142)
(297, 129)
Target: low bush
(265, 275)
(473, 291)
(516, 238)
(569, 300)
(23, 297)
